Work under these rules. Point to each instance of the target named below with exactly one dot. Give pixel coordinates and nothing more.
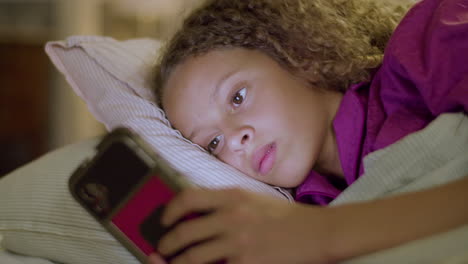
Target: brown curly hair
(329, 43)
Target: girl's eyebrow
(218, 86)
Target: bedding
(7, 257)
(38, 217)
(114, 80)
(433, 156)
(11, 258)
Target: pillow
(114, 79)
(38, 217)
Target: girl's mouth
(264, 158)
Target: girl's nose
(240, 139)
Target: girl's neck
(329, 161)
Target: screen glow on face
(235, 102)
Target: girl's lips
(264, 158)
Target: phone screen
(122, 190)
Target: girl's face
(245, 109)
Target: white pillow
(38, 217)
(114, 79)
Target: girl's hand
(155, 259)
(243, 227)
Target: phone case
(129, 207)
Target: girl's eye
(213, 144)
(239, 97)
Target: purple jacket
(424, 73)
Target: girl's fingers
(192, 231)
(194, 200)
(156, 259)
(208, 252)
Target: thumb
(155, 259)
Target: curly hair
(329, 43)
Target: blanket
(433, 156)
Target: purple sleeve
(429, 51)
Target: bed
(41, 223)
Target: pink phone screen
(153, 194)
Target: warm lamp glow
(148, 8)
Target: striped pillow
(113, 78)
(38, 216)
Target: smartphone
(126, 186)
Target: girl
(294, 93)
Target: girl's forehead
(190, 86)
(204, 70)
(216, 64)
(194, 82)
